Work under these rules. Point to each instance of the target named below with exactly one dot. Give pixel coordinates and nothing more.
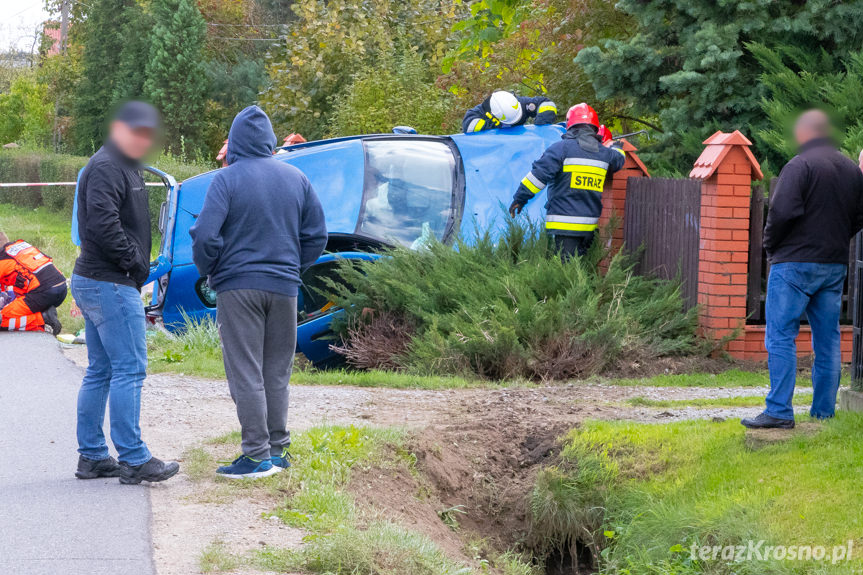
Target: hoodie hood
(251, 136)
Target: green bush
(507, 307)
(59, 168)
(18, 166)
(26, 112)
(397, 91)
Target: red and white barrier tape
(34, 184)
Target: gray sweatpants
(258, 330)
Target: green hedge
(41, 166)
(31, 166)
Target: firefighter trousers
(569, 246)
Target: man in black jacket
(815, 211)
(114, 227)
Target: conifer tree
(103, 41)
(134, 54)
(176, 82)
(688, 61)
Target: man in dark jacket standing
(114, 227)
(261, 226)
(815, 211)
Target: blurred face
(801, 135)
(134, 143)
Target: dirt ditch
(469, 488)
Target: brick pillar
(726, 168)
(614, 194)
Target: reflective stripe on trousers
(571, 223)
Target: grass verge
(195, 350)
(644, 496)
(736, 401)
(342, 539)
(730, 378)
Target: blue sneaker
(245, 467)
(282, 461)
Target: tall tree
(795, 80)
(102, 40)
(331, 40)
(129, 83)
(688, 64)
(176, 81)
(528, 46)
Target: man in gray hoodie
(261, 226)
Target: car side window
(409, 191)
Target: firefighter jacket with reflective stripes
(480, 118)
(24, 268)
(574, 171)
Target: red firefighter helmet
(582, 114)
(604, 134)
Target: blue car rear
(377, 191)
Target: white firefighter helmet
(505, 107)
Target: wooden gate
(661, 226)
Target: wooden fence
(661, 224)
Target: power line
(241, 38)
(220, 24)
(24, 10)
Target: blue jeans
(117, 352)
(793, 288)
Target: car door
(315, 311)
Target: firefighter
(38, 287)
(574, 169)
(506, 110)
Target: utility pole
(64, 25)
(64, 34)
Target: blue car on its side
(377, 190)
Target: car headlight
(205, 293)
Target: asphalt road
(50, 522)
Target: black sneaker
(152, 471)
(52, 322)
(764, 421)
(89, 469)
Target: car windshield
(408, 192)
